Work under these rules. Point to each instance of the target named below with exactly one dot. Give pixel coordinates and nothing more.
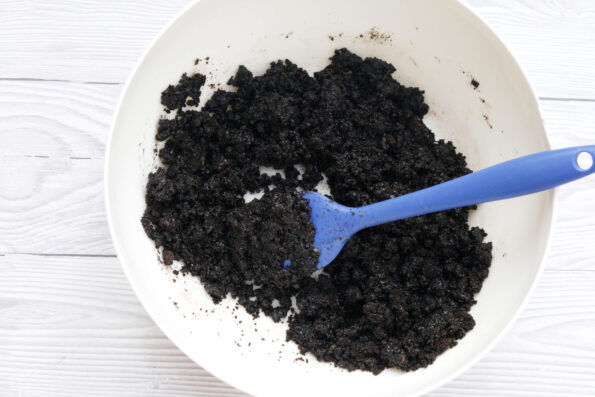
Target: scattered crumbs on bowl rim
(487, 120)
(332, 37)
(378, 36)
(373, 35)
(474, 82)
(437, 59)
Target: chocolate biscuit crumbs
(398, 295)
(375, 35)
(168, 257)
(187, 92)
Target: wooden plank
(552, 39)
(53, 205)
(55, 119)
(79, 40)
(570, 123)
(71, 326)
(89, 40)
(51, 166)
(550, 350)
(52, 170)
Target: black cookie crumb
(168, 257)
(187, 92)
(399, 294)
(475, 84)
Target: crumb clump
(186, 93)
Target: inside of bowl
(438, 46)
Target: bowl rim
(222, 376)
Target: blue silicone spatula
(336, 223)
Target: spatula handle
(518, 177)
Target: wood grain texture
(571, 123)
(79, 40)
(52, 171)
(51, 167)
(71, 326)
(93, 41)
(552, 40)
(550, 350)
(55, 119)
(69, 323)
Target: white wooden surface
(70, 324)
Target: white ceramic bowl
(439, 46)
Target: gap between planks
(26, 79)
